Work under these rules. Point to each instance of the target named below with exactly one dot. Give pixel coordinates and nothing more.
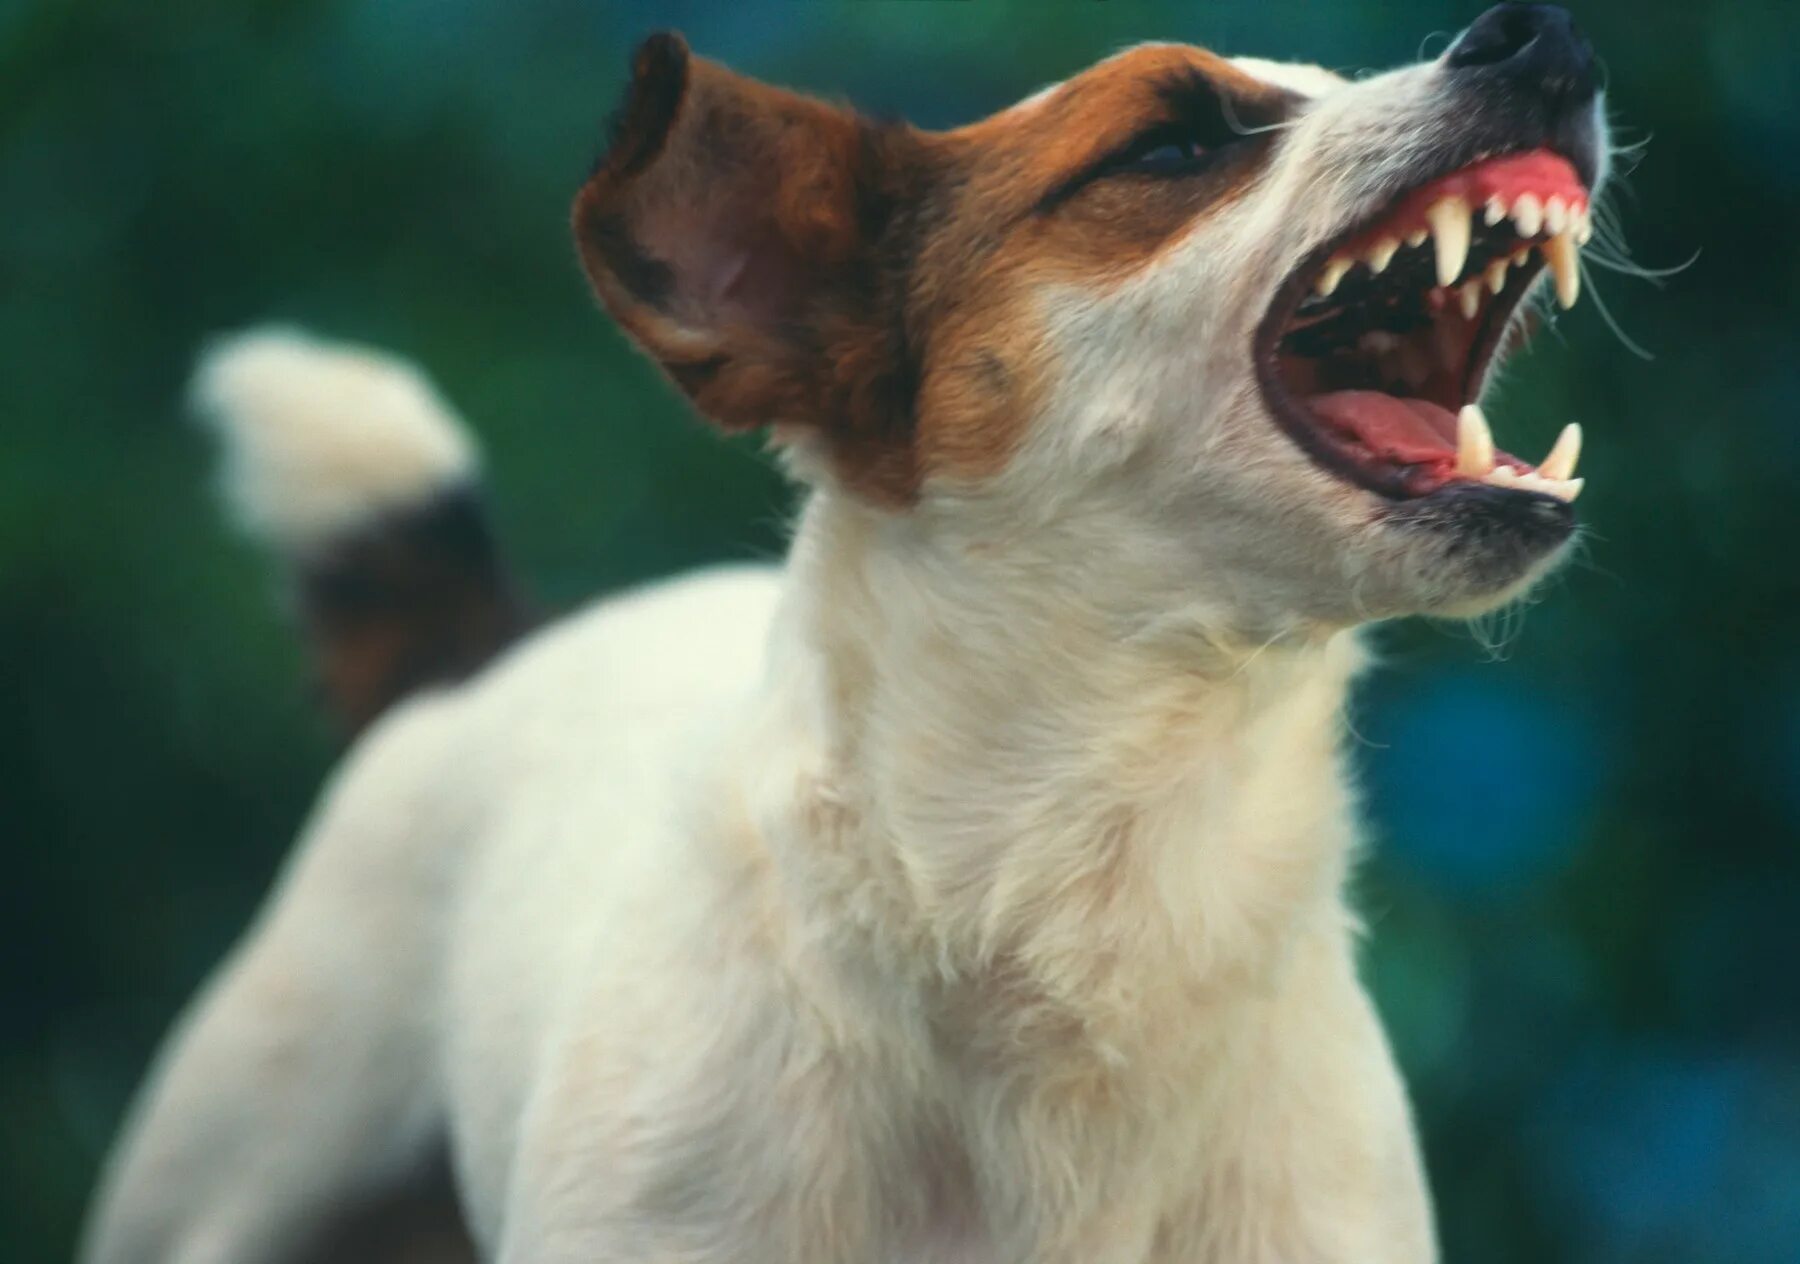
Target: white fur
(1310, 81)
(681, 943)
(319, 437)
(969, 890)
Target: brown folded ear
(755, 243)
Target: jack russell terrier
(971, 886)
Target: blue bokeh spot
(1478, 782)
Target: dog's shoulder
(672, 641)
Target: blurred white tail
(352, 467)
(321, 437)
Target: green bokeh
(1599, 1019)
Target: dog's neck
(1098, 814)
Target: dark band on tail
(414, 598)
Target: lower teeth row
(1554, 476)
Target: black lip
(1500, 531)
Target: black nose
(1535, 46)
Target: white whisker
(1625, 267)
(1612, 322)
(1448, 37)
(1238, 126)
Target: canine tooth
(1559, 251)
(1528, 215)
(1521, 256)
(1449, 220)
(1474, 443)
(1329, 278)
(1417, 237)
(1382, 253)
(1584, 226)
(1494, 212)
(1495, 276)
(1469, 297)
(1567, 489)
(1559, 466)
(1556, 215)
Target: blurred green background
(1585, 879)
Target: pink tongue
(1403, 431)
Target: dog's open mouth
(1375, 350)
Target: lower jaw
(1498, 541)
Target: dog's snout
(1536, 46)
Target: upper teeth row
(1531, 216)
(1448, 225)
(1554, 476)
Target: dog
(971, 887)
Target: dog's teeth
(1469, 298)
(1584, 226)
(1556, 215)
(1382, 253)
(1564, 489)
(1329, 278)
(1559, 466)
(1417, 237)
(1449, 220)
(1474, 443)
(1521, 256)
(1559, 251)
(1528, 215)
(1495, 276)
(1494, 212)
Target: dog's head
(1214, 323)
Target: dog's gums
(1376, 349)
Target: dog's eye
(1168, 156)
(1175, 148)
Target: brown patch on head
(1066, 199)
(1075, 157)
(873, 288)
